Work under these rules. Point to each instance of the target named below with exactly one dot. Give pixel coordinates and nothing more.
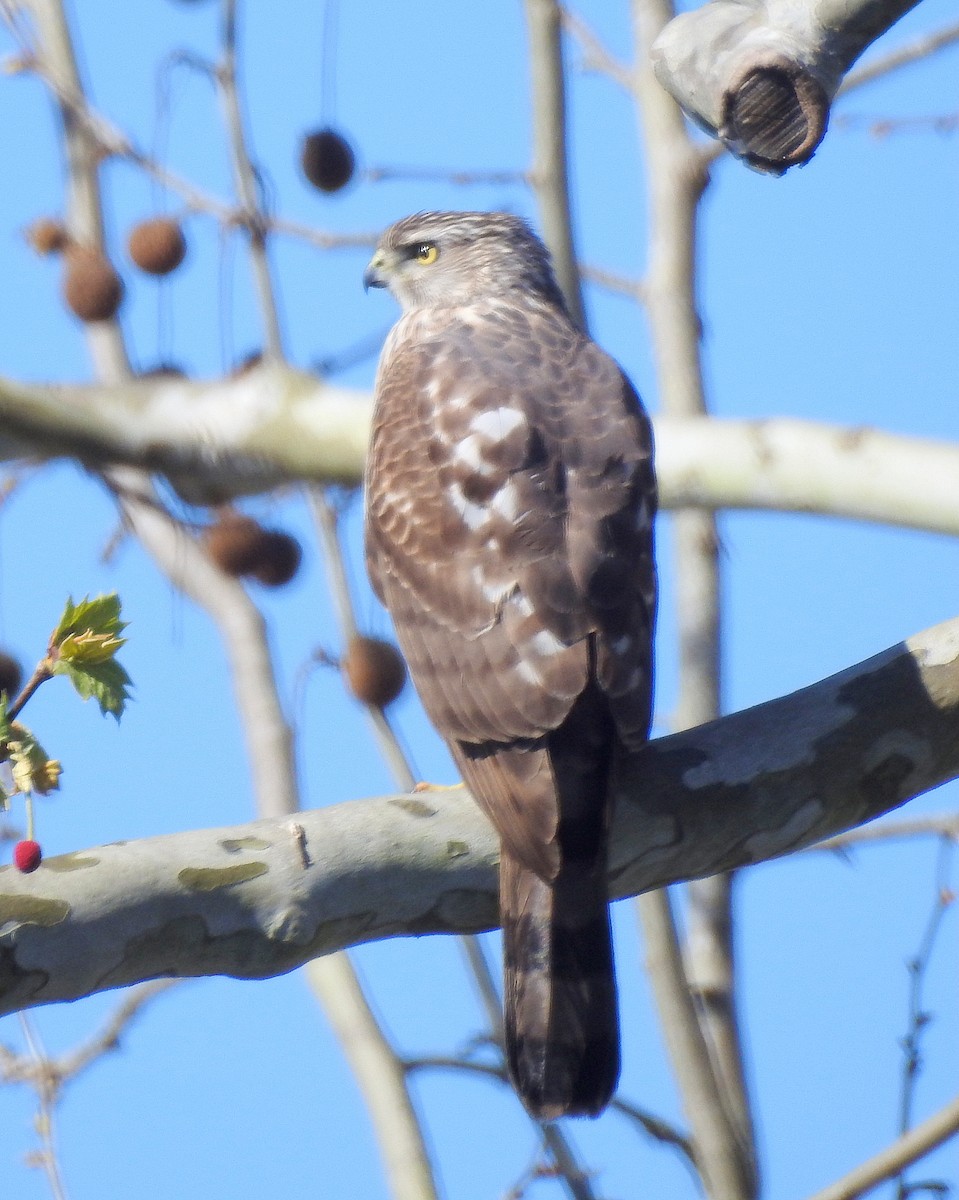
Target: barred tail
(562, 1027)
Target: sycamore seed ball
(278, 560)
(11, 674)
(327, 160)
(91, 287)
(374, 669)
(157, 246)
(47, 235)
(234, 542)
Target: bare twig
(903, 56)
(443, 175)
(613, 282)
(945, 826)
(47, 1083)
(108, 1039)
(380, 1076)
(596, 57)
(549, 172)
(919, 1018)
(327, 524)
(655, 1127)
(111, 141)
(889, 1162)
(246, 183)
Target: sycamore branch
(224, 438)
(259, 899)
(762, 76)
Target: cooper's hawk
(509, 531)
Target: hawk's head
(452, 258)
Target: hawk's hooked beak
(373, 275)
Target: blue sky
(829, 294)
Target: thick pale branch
(224, 438)
(762, 76)
(262, 898)
(213, 440)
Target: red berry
(27, 855)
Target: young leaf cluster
(83, 647)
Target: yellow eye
(426, 254)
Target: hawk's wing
(509, 531)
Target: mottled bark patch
(235, 845)
(209, 879)
(416, 808)
(63, 863)
(32, 910)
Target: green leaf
(106, 682)
(99, 617)
(83, 647)
(4, 720)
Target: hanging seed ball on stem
(91, 287)
(327, 160)
(235, 542)
(279, 558)
(47, 236)
(157, 246)
(374, 669)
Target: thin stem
(944, 826)
(246, 183)
(41, 674)
(903, 56)
(889, 1162)
(380, 1076)
(550, 171)
(327, 524)
(48, 1085)
(918, 1020)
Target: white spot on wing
(504, 502)
(526, 670)
(494, 591)
(468, 451)
(497, 423)
(474, 515)
(546, 643)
